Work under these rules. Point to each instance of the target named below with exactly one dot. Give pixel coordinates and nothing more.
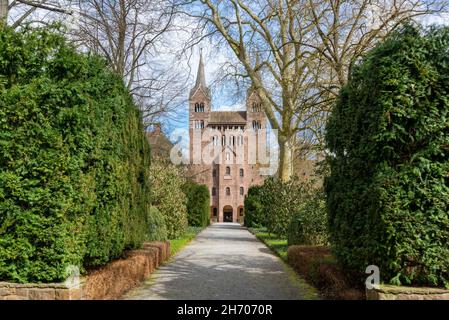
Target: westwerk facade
(223, 149)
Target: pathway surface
(225, 261)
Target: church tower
(226, 173)
(199, 109)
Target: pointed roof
(201, 79)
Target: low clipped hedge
(198, 204)
(388, 191)
(73, 160)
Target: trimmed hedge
(73, 160)
(388, 192)
(198, 204)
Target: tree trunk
(285, 157)
(3, 10)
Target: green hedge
(157, 230)
(254, 208)
(167, 196)
(388, 192)
(73, 160)
(198, 204)
(308, 225)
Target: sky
(223, 97)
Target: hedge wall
(388, 192)
(73, 160)
(198, 204)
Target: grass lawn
(276, 244)
(177, 244)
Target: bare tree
(131, 34)
(307, 48)
(26, 8)
(347, 29)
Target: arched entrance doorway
(227, 214)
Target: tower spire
(201, 78)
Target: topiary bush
(254, 209)
(167, 195)
(308, 225)
(157, 231)
(73, 160)
(198, 204)
(388, 191)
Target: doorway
(227, 214)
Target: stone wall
(389, 292)
(107, 282)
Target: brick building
(226, 149)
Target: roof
(160, 144)
(200, 80)
(227, 117)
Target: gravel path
(225, 261)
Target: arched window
(202, 124)
(228, 171)
(228, 156)
(241, 172)
(223, 140)
(256, 125)
(197, 107)
(214, 191)
(215, 212)
(241, 191)
(202, 107)
(228, 191)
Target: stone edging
(390, 292)
(107, 282)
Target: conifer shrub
(254, 209)
(198, 204)
(73, 160)
(388, 191)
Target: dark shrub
(198, 204)
(254, 210)
(388, 192)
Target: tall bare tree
(25, 9)
(130, 35)
(307, 48)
